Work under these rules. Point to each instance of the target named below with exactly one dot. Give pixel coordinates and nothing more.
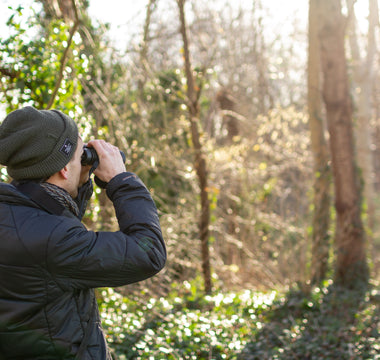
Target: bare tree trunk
(61, 9)
(199, 158)
(321, 215)
(351, 268)
(363, 71)
(363, 74)
(144, 46)
(227, 105)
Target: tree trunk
(227, 105)
(61, 9)
(363, 75)
(351, 266)
(144, 47)
(321, 215)
(199, 158)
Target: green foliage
(184, 325)
(30, 61)
(328, 323)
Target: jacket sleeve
(78, 258)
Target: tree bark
(321, 215)
(364, 78)
(351, 266)
(61, 9)
(363, 75)
(199, 158)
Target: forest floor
(323, 323)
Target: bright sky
(124, 16)
(127, 16)
(124, 13)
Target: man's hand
(110, 161)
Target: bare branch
(9, 72)
(64, 57)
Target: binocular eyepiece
(89, 156)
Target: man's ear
(64, 172)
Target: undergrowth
(327, 323)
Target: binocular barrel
(89, 156)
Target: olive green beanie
(35, 144)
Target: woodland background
(262, 152)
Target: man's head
(35, 144)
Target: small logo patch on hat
(67, 147)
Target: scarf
(62, 196)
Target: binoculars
(89, 156)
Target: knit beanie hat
(35, 144)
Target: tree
(199, 158)
(144, 45)
(351, 265)
(363, 77)
(321, 214)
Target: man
(49, 262)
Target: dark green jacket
(49, 266)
